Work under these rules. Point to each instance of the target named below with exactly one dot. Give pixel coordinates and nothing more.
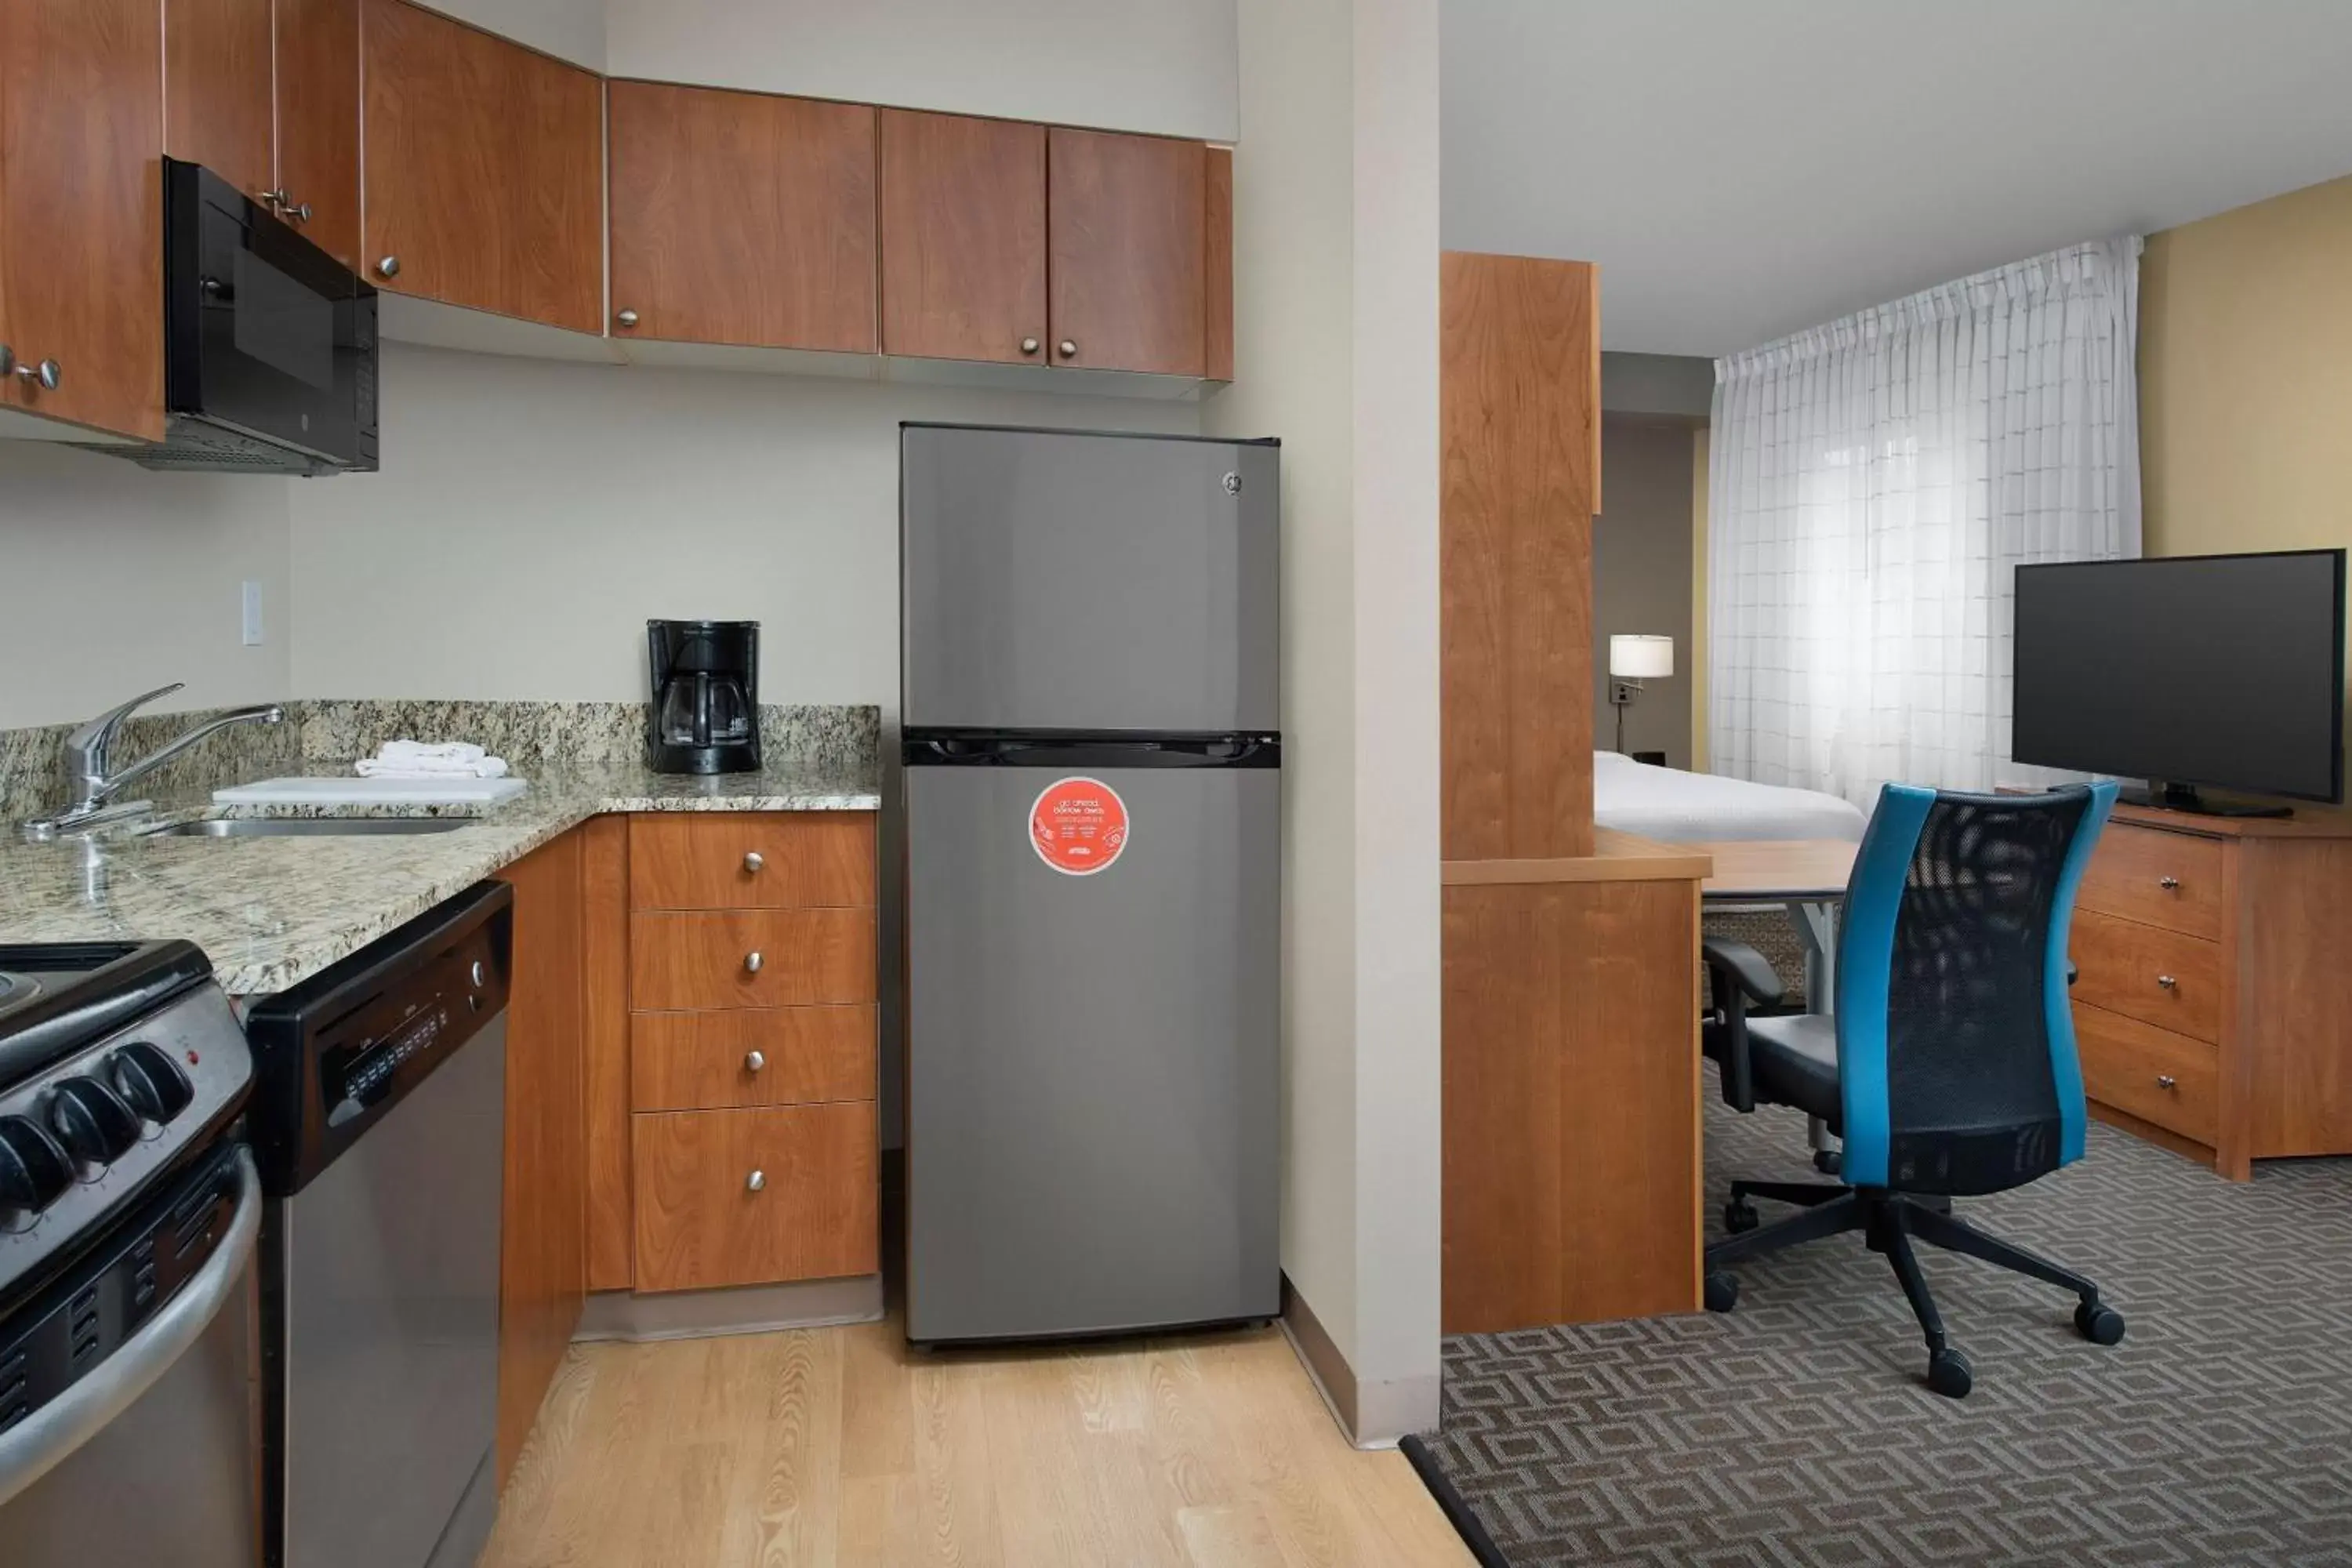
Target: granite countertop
(270, 912)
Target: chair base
(1888, 1222)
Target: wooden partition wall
(1571, 955)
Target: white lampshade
(1636, 656)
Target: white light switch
(252, 616)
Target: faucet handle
(87, 745)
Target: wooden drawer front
(2168, 879)
(2154, 1074)
(704, 1061)
(764, 860)
(681, 962)
(2157, 976)
(814, 1214)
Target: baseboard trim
(1371, 1415)
(735, 1309)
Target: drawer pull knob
(2166, 1080)
(757, 1180)
(753, 962)
(2169, 884)
(755, 1062)
(2167, 980)
(754, 861)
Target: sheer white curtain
(1873, 485)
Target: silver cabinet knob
(2166, 1080)
(389, 267)
(1069, 349)
(1028, 346)
(2169, 884)
(754, 1061)
(300, 212)
(752, 961)
(756, 1180)
(2167, 980)
(45, 376)
(754, 860)
(626, 318)
(478, 972)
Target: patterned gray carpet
(1798, 1430)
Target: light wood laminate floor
(843, 1446)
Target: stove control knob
(91, 1121)
(33, 1168)
(150, 1081)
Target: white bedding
(1666, 803)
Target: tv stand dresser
(2213, 1009)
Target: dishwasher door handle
(50, 1437)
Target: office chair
(1948, 1068)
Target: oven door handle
(49, 1437)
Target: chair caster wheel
(1722, 1291)
(1739, 1216)
(1829, 1162)
(1949, 1374)
(2100, 1324)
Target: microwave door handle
(50, 1436)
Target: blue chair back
(1956, 1040)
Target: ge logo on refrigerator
(1078, 825)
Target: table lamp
(1634, 657)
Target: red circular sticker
(1078, 825)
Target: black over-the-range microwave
(270, 344)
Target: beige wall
(1641, 575)
(1698, 598)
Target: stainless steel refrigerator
(1093, 801)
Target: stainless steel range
(129, 1208)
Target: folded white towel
(417, 760)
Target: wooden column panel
(963, 237)
(1217, 266)
(484, 169)
(81, 209)
(216, 89)
(318, 121)
(604, 940)
(741, 218)
(1572, 1083)
(1126, 259)
(543, 1268)
(1519, 418)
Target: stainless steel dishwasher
(378, 1119)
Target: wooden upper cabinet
(216, 89)
(318, 121)
(81, 210)
(964, 239)
(741, 218)
(1127, 217)
(483, 170)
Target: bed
(1678, 806)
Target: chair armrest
(1743, 967)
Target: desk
(1805, 876)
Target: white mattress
(1668, 803)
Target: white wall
(569, 29)
(1335, 193)
(116, 581)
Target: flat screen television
(2225, 670)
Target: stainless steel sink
(305, 826)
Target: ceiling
(1741, 170)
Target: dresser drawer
(750, 958)
(747, 861)
(2152, 1073)
(751, 1197)
(2157, 976)
(750, 1056)
(2168, 879)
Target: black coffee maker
(705, 717)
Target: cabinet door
(318, 121)
(542, 1272)
(963, 237)
(216, 92)
(1126, 214)
(752, 1197)
(81, 209)
(739, 217)
(483, 170)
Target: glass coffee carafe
(706, 711)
